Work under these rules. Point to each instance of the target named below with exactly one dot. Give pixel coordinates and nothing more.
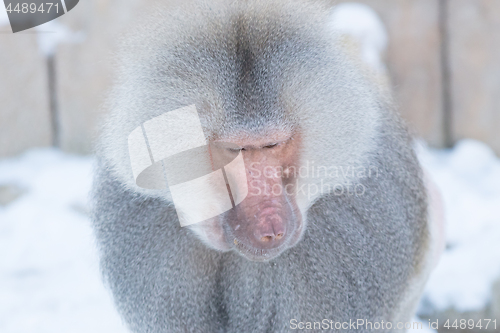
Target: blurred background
(441, 58)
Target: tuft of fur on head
(248, 66)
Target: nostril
(270, 231)
(266, 238)
(271, 236)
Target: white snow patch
(469, 179)
(49, 276)
(363, 24)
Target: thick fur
(247, 66)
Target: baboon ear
(25, 15)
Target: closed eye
(271, 145)
(235, 150)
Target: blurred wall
(443, 58)
(25, 119)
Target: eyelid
(271, 145)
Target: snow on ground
(469, 179)
(49, 279)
